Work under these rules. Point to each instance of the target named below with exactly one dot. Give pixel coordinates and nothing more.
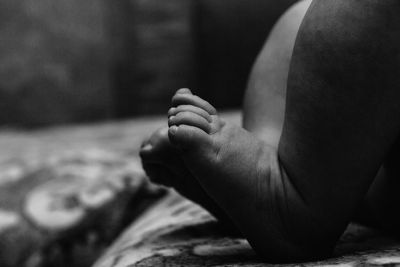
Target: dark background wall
(54, 62)
(159, 57)
(64, 61)
(229, 35)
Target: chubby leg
(293, 203)
(342, 98)
(264, 109)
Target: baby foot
(163, 165)
(242, 174)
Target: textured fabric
(177, 232)
(66, 193)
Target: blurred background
(72, 61)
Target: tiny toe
(185, 136)
(151, 154)
(145, 142)
(145, 150)
(190, 99)
(190, 108)
(191, 119)
(157, 147)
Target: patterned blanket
(176, 232)
(66, 194)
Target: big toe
(159, 174)
(157, 148)
(160, 158)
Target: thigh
(264, 104)
(342, 98)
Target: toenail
(171, 118)
(147, 147)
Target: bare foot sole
(242, 175)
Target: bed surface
(119, 218)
